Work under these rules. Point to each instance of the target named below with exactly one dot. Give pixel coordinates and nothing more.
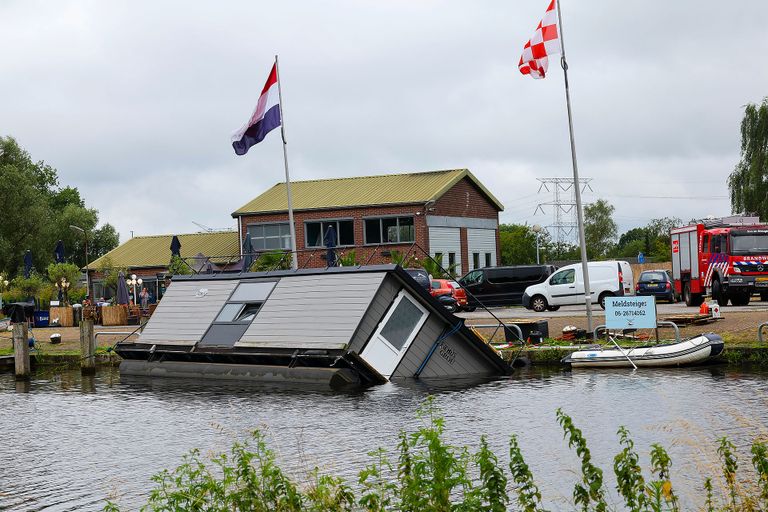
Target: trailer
(725, 259)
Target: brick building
(448, 214)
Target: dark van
(502, 286)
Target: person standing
(144, 299)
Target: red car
(449, 287)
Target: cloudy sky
(134, 101)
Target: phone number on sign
(629, 313)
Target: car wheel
(451, 308)
(602, 297)
(539, 303)
(553, 308)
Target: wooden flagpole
(294, 257)
(576, 184)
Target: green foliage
(590, 490)
(111, 273)
(629, 477)
(748, 183)
(436, 270)
(431, 476)
(178, 267)
(347, 259)
(405, 260)
(517, 244)
(29, 286)
(528, 495)
(274, 260)
(37, 212)
(68, 271)
(600, 229)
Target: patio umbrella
(247, 254)
(175, 247)
(58, 252)
(122, 289)
(27, 264)
(330, 244)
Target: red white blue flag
(265, 118)
(545, 42)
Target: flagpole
(576, 184)
(294, 258)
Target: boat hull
(692, 351)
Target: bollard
(87, 347)
(21, 350)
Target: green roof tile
(155, 250)
(385, 189)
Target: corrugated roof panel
(155, 251)
(361, 191)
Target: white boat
(686, 352)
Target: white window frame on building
(398, 229)
(283, 236)
(324, 223)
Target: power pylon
(564, 224)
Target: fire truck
(726, 259)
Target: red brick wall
(465, 200)
(312, 257)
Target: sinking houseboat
(335, 326)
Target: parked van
(566, 286)
(502, 286)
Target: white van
(566, 286)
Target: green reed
(431, 475)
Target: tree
(600, 229)
(748, 183)
(37, 212)
(518, 244)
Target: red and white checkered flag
(545, 42)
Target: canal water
(69, 442)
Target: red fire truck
(726, 259)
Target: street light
(537, 229)
(87, 277)
(132, 281)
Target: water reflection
(74, 440)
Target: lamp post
(87, 277)
(537, 229)
(3, 285)
(133, 281)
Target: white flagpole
(294, 257)
(576, 184)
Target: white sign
(630, 312)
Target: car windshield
(749, 244)
(454, 284)
(647, 277)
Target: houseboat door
(395, 333)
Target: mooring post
(21, 350)
(87, 347)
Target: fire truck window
(724, 243)
(715, 244)
(705, 244)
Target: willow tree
(748, 182)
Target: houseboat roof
(351, 192)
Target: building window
(439, 258)
(345, 232)
(389, 230)
(475, 260)
(270, 236)
(488, 260)
(452, 262)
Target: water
(69, 442)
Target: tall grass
(427, 474)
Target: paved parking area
(568, 311)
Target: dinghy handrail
(659, 323)
(760, 331)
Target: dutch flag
(265, 118)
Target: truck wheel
(717, 293)
(602, 297)
(539, 303)
(691, 299)
(740, 298)
(764, 296)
